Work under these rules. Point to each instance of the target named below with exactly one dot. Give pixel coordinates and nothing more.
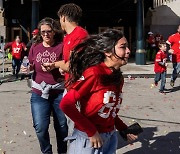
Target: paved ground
(158, 114)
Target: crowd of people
(172, 47)
(82, 72)
(77, 76)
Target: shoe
(172, 83)
(17, 76)
(156, 83)
(162, 92)
(13, 72)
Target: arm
(119, 124)
(8, 45)
(24, 47)
(68, 106)
(169, 43)
(31, 65)
(62, 65)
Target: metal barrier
(2, 59)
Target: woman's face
(17, 40)
(47, 33)
(120, 55)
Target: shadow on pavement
(8, 78)
(165, 144)
(174, 89)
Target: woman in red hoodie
(96, 83)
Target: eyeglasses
(48, 32)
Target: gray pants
(80, 143)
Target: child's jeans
(162, 77)
(80, 143)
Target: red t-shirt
(99, 104)
(174, 40)
(160, 56)
(17, 49)
(71, 41)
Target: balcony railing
(157, 3)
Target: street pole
(1, 4)
(3, 54)
(35, 14)
(140, 51)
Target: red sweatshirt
(99, 104)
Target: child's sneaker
(162, 92)
(156, 83)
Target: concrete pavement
(157, 113)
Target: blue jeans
(41, 110)
(80, 143)
(162, 77)
(176, 70)
(16, 65)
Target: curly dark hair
(72, 11)
(91, 52)
(58, 37)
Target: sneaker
(172, 83)
(162, 92)
(156, 83)
(17, 76)
(13, 72)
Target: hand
(166, 64)
(131, 137)
(164, 60)
(24, 69)
(96, 140)
(171, 51)
(47, 67)
(61, 71)
(63, 65)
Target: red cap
(35, 32)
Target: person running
(48, 87)
(17, 48)
(174, 43)
(160, 66)
(96, 83)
